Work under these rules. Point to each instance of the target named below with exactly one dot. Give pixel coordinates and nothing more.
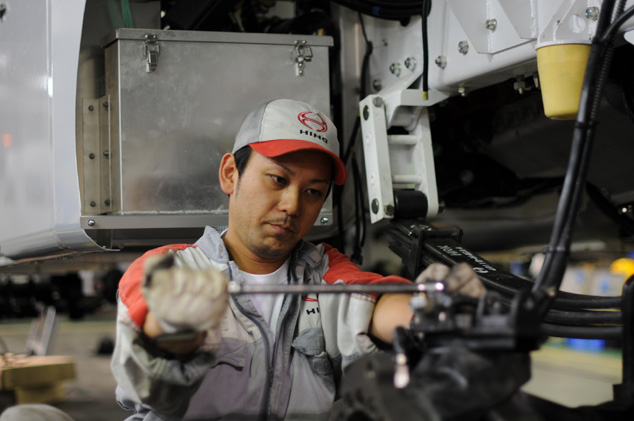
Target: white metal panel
(40, 212)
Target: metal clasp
(303, 54)
(151, 52)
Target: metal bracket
(303, 54)
(151, 52)
(396, 162)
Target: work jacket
(255, 373)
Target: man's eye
(314, 192)
(278, 180)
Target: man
(185, 350)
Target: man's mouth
(283, 228)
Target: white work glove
(184, 299)
(461, 279)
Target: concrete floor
(90, 396)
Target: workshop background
(114, 115)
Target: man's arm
(392, 310)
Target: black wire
(366, 59)
(618, 22)
(424, 14)
(609, 332)
(550, 276)
(583, 318)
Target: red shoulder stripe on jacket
(130, 284)
(342, 268)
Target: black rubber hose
(610, 332)
(550, 276)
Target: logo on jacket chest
(309, 299)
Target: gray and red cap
(283, 126)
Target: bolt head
(91, 222)
(463, 47)
(592, 13)
(441, 61)
(377, 101)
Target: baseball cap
(283, 126)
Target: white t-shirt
(268, 305)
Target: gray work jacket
(254, 374)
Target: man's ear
(228, 173)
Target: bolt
(105, 105)
(410, 63)
(592, 13)
(462, 91)
(377, 101)
(389, 210)
(106, 154)
(107, 202)
(441, 61)
(520, 85)
(93, 204)
(463, 47)
(324, 219)
(377, 85)
(91, 156)
(91, 108)
(91, 222)
(491, 24)
(395, 68)
(375, 206)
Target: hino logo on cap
(314, 122)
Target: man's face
(274, 203)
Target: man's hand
(182, 299)
(461, 279)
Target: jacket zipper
(264, 409)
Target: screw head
(377, 101)
(324, 219)
(491, 24)
(107, 202)
(91, 156)
(91, 222)
(377, 84)
(389, 210)
(91, 108)
(410, 63)
(463, 47)
(592, 13)
(93, 204)
(106, 153)
(395, 68)
(441, 61)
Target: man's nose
(290, 201)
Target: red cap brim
(274, 148)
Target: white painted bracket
(396, 162)
(376, 155)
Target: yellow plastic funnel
(561, 71)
